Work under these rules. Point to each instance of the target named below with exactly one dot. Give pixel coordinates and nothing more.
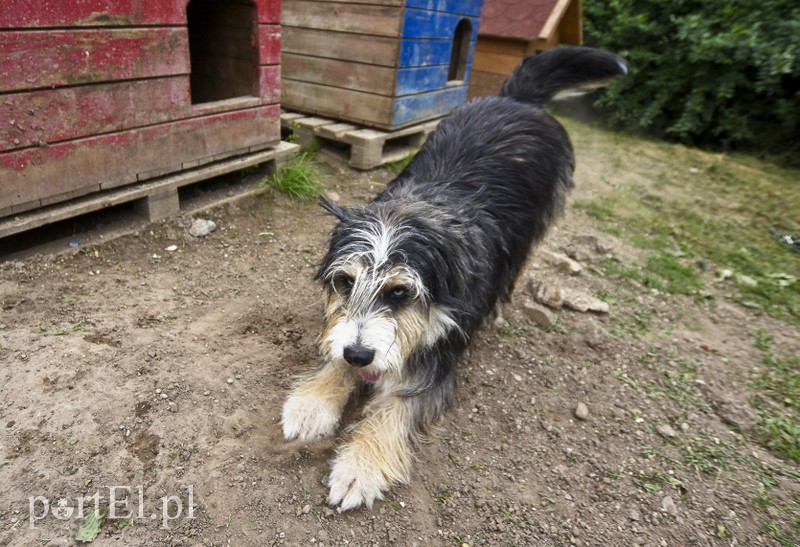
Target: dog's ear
(333, 209)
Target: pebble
(665, 431)
(549, 295)
(172, 407)
(230, 380)
(634, 515)
(581, 411)
(668, 506)
(202, 227)
(539, 314)
(561, 261)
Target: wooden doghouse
(385, 64)
(99, 95)
(510, 30)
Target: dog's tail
(562, 72)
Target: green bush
(722, 74)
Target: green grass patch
(777, 400)
(299, 178)
(398, 166)
(729, 212)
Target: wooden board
(427, 106)
(336, 73)
(482, 84)
(421, 52)
(37, 59)
(35, 176)
(145, 190)
(105, 13)
(498, 63)
(341, 104)
(355, 18)
(462, 7)
(362, 48)
(43, 117)
(434, 24)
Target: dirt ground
(156, 378)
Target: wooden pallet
(153, 200)
(369, 148)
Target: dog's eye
(396, 294)
(343, 283)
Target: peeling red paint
(85, 106)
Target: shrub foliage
(724, 74)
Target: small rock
(549, 295)
(583, 302)
(746, 280)
(230, 380)
(172, 407)
(201, 227)
(738, 416)
(539, 314)
(581, 411)
(634, 515)
(668, 506)
(665, 431)
(171, 248)
(306, 509)
(561, 261)
(333, 196)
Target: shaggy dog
(409, 278)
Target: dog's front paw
(308, 418)
(355, 481)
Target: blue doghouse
(388, 65)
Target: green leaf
(90, 529)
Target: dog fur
(409, 278)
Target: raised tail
(561, 72)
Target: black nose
(358, 356)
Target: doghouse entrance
(222, 48)
(460, 51)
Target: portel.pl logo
(121, 503)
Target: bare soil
(162, 373)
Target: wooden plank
(463, 7)
(335, 73)
(482, 84)
(498, 63)
(554, 19)
(105, 13)
(503, 46)
(34, 174)
(373, 2)
(571, 27)
(426, 106)
(375, 50)
(49, 116)
(48, 215)
(91, 13)
(355, 18)
(337, 103)
(334, 131)
(416, 53)
(269, 44)
(36, 59)
(435, 24)
(420, 79)
(269, 84)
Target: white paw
(355, 482)
(308, 418)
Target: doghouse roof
(523, 19)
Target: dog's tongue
(369, 376)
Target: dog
(409, 278)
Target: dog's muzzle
(359, 356)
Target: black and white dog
(409, 278)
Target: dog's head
(388, 287)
